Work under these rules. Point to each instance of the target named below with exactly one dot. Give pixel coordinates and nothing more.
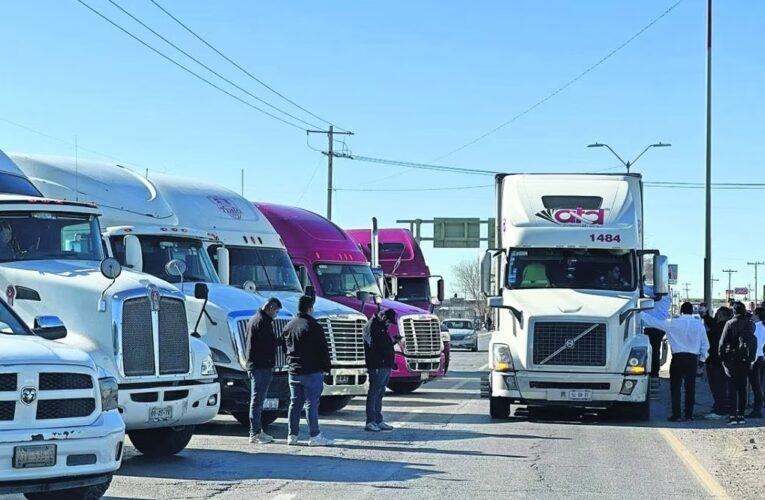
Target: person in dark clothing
(261, 343)
(737, 350)
(379, 354)
(718, 382)
(756, 372)
(308, 359)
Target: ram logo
(28, 395)
(595, 217)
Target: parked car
(462, 333)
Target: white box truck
(132, 324)
(61, 436)
(570, 269)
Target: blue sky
(413, 80)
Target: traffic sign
(741, 291)
(452, 232)
(673, 274)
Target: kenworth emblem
(153, 293)
(596, 217)
(28, 395)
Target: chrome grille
(173, 337)
(556, 343)
(281, 354)
(345, 338)
(64, 381)
(49, 409)
(137, 338)
(422, 336)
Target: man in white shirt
(688, 340)
(758, 367)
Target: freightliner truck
(570, 269)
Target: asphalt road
(445, 445)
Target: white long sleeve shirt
(687, 334)
(759, 333)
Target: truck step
(485, 388)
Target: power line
(240, 68)
(561, 88)
(422, 166)
(208, 68)
(455, 188)
(184, 68)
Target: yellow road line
(694, 466)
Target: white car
(463, 333)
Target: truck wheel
(403, 387)
(475, 347)
(499, 407)
(331, 404)
(643, 410)
(93, 492)
(162, 442)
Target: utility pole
(708, 180)
(330, 156)
(730, 272)
(687, 287)
(756, 265)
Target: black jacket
(261, 342)
(714, 333)
(739, 326)
(307, 350)
(378, 345)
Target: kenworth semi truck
(329, 260)
(570, 269)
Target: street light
(628, 164)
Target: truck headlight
(208, 367)
(637, 361)
(109, 391)
(503, 361)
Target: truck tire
(499, 407)
(403, 387)
(642, 411)
(93, 492)
(331, 404)
(475, 347)
(266, 418)
(163, 442)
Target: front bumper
(465, 342)
(191, 404)
(103, 440)
(423, 369)
(554, 388)
(235, 390)
(346, 382)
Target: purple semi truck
(327, 258)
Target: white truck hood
(586, 304)
(32, 350)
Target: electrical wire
(455, 188)
(563, 87)
(240, 68)
(422, 166)
(184, 68)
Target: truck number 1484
(606, 238)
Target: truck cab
(330, 261)
(570, 273)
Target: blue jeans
(260, 379)
(305, 390)
(378, 379)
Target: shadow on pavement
(220, 465)
(428, 451)
(401, 402)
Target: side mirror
(201, 291)
(441, 290)
(250, 286)
(310, 291)
(303, 276)
(393, 286)
(49, 327)
(660, 275)
(110, 268)
(486, 274)
(133, 253)
(175, 267)
(363, 296)
(224, 269)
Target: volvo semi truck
(570, 272)
(329, 260)
(132, 324)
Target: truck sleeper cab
(569, 292)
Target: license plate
(271, 404)
(26, 457)
(424, 376)
(580, 395)
(160, 413)
(343, 380)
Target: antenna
(76, 172)
(242, 183)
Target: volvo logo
(570, 343)
(153, 293)
(28, 395)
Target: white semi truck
(61, 436)
(133, 325)
(148, 222)
(570, 269)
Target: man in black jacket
(308, 360)
(379, 354)
(718, 381)
(260, 351)
(737, 351)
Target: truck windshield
(157, 251)
(9, 323)
(49, 236)
(270, 268)
(412, 289)
(346, 279)
(571, 268)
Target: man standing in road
(737, 351)
(260, 351)
(755, 374)
(718, 381)
(308, 360)
(688, 341)
(379, 355)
